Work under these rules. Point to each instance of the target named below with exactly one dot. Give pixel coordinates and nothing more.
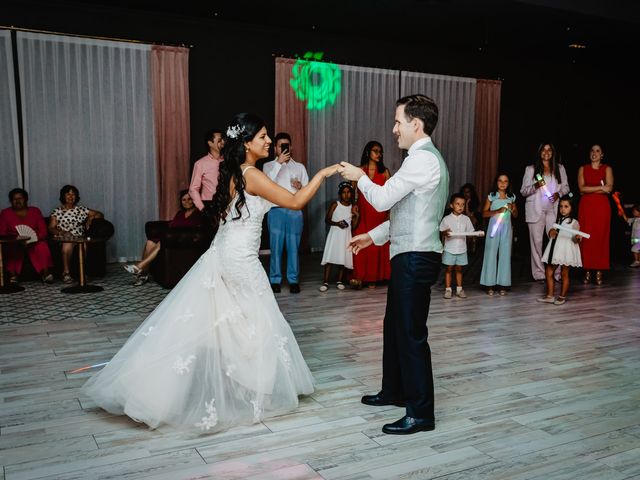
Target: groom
(416, 195)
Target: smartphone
(284, 147)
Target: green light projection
(317, 83)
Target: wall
(569, 98)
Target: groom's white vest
(414, 224)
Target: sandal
(13, 279)
(559, 301)
(66, 278)
(133, 269)
(490, 292)
(546, 300)
(340, 286)
(598, 277)
(503, 292)
(141, 280)
(324, 287)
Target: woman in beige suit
(543, 184)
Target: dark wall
(568, 98)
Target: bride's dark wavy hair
(245, 127)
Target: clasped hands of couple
(353, 174)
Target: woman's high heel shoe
(587, 277)
(598, 277)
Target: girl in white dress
(217, 351)
(563, 250)
(342, 217)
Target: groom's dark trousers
(406, 358)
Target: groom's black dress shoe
(378, 400)
(408, 425)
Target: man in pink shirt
(204, 179)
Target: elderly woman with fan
(21, 219)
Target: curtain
(291, 114)
(454, 133)
(487, 134)
(87, 121)
(10, 146)
(363, 111)
(170, 80)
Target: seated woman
(21, 214)
(187, 216)
(73, 219)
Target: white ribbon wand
(477, 233)
(571, 230)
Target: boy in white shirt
(455, 247)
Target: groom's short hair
(421, 107)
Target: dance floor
(523, 390)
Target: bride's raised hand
(330, 170)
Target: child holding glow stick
(562, 250)
(499, 207)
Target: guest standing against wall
(373, 264)
(285, 225)
(543, 184)
(595, 182)
(204, 178)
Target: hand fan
(27, 231)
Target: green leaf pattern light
(317, 83)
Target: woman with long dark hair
(217, 351)
(371, 264)
(595, 181)
(543, 184)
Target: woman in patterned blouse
(73, 219)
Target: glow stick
(571, 230)
(477, 233)
(82, 369)
(635, 240)
(497, 224)
(544, 186)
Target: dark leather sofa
(180, 248)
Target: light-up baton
(498, 222)
(477, 233)
(543, 186)
(571, 230)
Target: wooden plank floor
(523, 391)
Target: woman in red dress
(372, 264)
(20, 213)
(595, 182)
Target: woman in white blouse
(70, 218)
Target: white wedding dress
(217, 351)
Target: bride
(217, 351)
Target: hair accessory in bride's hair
(234, 131)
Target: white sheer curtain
(11, 176)
(454, 134)
(363, 111)
(87, 116)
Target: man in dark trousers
(416, 195)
